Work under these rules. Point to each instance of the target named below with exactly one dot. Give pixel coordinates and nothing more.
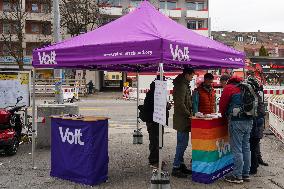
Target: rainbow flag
(211, 154)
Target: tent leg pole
(137, 77)
(33, 122)
(137, 136)
(160, 131)
(161, 178)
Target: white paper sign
(12, 86)
(160, 102)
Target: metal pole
(57, 38)
(56, 21)
(137, 78)
(33, 122)
(160, 133)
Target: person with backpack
(237, 105)
(251, 75)
(258, 127)
(146, 115)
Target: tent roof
(141, 39)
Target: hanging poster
(160, 102)
(12, 86)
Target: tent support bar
(33, 122)
(137, 78)
(160, 130)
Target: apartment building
(193, 14)
(37, 28)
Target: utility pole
(57, 38)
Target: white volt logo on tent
(179, 54)
(47, 58)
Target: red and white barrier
(272, 90)
(276, 116)
(125, 92)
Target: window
(200, 6)
(7, 28)
(15, 7)
(6, 6)
(113, 77)
(114, 2)
(191, 24)
(35, 7)
(35, 28)
(200, 24)
(46, 29)
(240, 38)
(45, 8)
(117, 77)
(168, 5)
(31, 46)
(134, 3)
(253, 39)
(5, 50)
(190, 5)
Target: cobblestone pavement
(128, 168)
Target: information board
(12, 86)
(160, 102)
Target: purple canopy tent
(138, 41)
(143, 40)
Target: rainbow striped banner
(211, 154)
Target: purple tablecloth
(79, 150)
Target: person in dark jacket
(204, 96)
(251, 74)
(257, 129)
(153, 127)
(240, 126)
(182, 119)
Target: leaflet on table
(212, 115)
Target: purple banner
(79, 150)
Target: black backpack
(249, 99)
(142, 113)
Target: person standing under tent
(223, 80)
(257, 129)
(153, 127)
(182, 119)
(240, 125)
(204, 96)
(251, 76)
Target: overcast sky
(247, 15)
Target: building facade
(37, 30)
(38, 24)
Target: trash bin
(44, 112)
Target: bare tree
(13, 19)
(78, 16)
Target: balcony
(202, 31)
(113, 11)
(13, 37)
(39, 16)
(197, 14)
(37, 38)
(176, 13)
